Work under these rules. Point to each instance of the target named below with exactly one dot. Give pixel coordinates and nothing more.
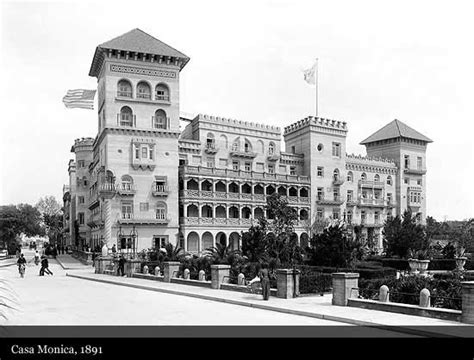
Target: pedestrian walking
(21, 265)
(121, 266)
(45, 267)
(265, 281)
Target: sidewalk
(67, 262)
(313, 306)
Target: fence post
(467, 315)
(170, 267)
(241, 279)
(202, 275)
(157, 271)
(342, 285)
(145, 269)
(384, 293)
(425, 298)
(186, 274)
(217, 275)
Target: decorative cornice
(204, 118)
(371, 164)
(339, 127)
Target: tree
(51, 212)
(403, 234)
(16, 220)
(254, 241)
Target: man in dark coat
(44, 267)
(121, 266)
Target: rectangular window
(363, 217)
(81, 218)
(419, 163)
(151, 153)
(293, 150)
(248, 166)
(419, 182)
(210, 163)
(406, 181)
(350, 195)
(161, 213)
(320, 171)
(144, 152)
(335, 214)
(320, 193)
(127, 210)
(319, 213)
(389, 198)
(292, 170)
(376, 217)
(235, 165)
(271, 169)
(81, 163)
(349, 216)
(144, 206)
(137, 152)
(81, 199)
(160, 241)
(336, 149)
(335, 193)
(407, 161)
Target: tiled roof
(395, 129)
(137, 41)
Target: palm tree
(8, 299)
(173, 253)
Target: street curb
(396, 328)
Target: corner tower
(134, 195)
(407, 148)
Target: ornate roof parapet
(370, 164)
(238, 123)
(83, 144)
(322, 123)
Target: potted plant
(423, 260)
(412, 261)
(460, 258)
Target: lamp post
(119, 238)
(134, 236)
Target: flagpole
(316, 82)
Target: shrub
(398, 264)
(442, 264)
(315, 283)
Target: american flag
(80, 99)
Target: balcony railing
(107, 189)
(242, 222)
(273, 157)
(336, 200)
(337, 181)
(131, 218)
(162, 97)
(127, 94)
(126, 189)
(218, 195)
(241, 174)
(160, 122)
(371, 184)
(144, 96)
(211, 148)
(414, 171)
(160, 190)
(371, 202)
(244, 154)
(129, 121)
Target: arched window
(126, 116)
(236, 145)
(143, 90)
(127, 183)
(210, 144)
(160, 120)
(223, 141)
(162, 92)
(377, 177)
(247, 146)
(363, 176)
(303, 214)
(389, 180)
(350, 176)
(161, 211)
(271, 148)
(124, 89)
(335, 174)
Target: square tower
(134, 172)
(407, 148)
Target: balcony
(149, 219)
(96, 220)
(124, 94)
(371, 202)
(162, 98)
(336, 200)
(241, 174)
(129, 121)
(337, 181)
(371, 184)
(351, 202)
(273, 157)
(107, 190)
(146, 96)
(210, 148)
(159, 190)
(414, 171)
(126, 189)
(243, 154)
(245, 197)
(158, 122)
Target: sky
(378, 61)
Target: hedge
(315, 283)
(365, 273)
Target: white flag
(310, 74)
